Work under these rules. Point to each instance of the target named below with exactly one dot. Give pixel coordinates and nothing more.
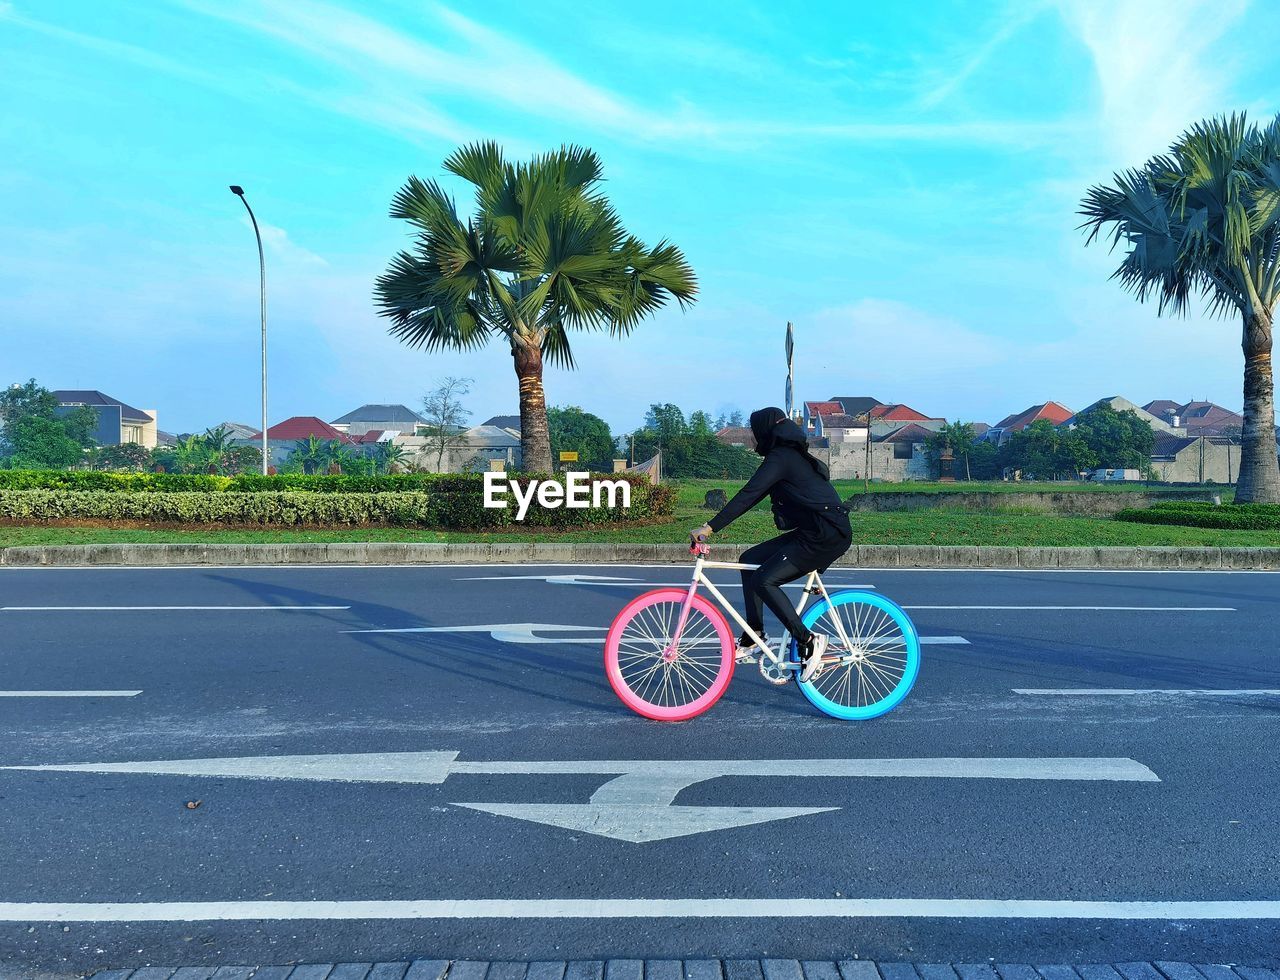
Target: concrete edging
(414, 553)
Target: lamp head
(237, 190)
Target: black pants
(784, 559)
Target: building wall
(1220, 464)
(456, 458)
(848, 460)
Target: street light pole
(238, 191)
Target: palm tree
(1205, 218)
(544, 254)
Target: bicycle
(670, 653)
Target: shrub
(451, 502)
(1241, 517)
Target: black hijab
(772, 428)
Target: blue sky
(899, 180)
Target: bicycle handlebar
(698, 546)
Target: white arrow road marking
(362, 767)
(524, 633)
(1129, 692)
(642, 823)
(636, 908)
(635, 805)
(165, 608)
(69, 694)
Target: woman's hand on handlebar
(698, 538)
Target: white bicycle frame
(813, 586)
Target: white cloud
(1159, 67)
(277, 240)
(1011, 21)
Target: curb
(703, 969)
(529, 553)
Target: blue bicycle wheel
(875, 669)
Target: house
(237, 431)
(283, 437)
(384, 418)
(478, 448)
(887, 419)
(1053, 411)
(118, 423)
(854, 406)
(1124, 405)
(839, 428)
(891, 457)
(1197, 418)
(509, 422)
(736, 435)
(1195, 459)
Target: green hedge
(257, 483)
(1241, 517)
(450, 504)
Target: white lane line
(636, 908)
(1129, 692)
(610, 564)
(524, 633)
(69, 694)
(166, 608)
(1096, 608)
(617, 580)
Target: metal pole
(262, 288)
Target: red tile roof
(373, 435)
(898, 413)
(302, 427)
(824, 408)
(1054, 412)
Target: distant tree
(1047, 452)
(665, 422)
(689, 447)
(982, 463)
(1204, 219)
(127, 456)
(735, 419)
(544, 255)
(573, 430)
(956, 435)
(445, 417)
(1119, 440)
(700, 424)
(34, 435)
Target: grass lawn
(940, 526)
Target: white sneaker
(748, 649)
(813, 660)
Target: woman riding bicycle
(816, 525)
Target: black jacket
(801, 493)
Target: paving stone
(663, 970)
(898, 971)
(858, 970)
(1097, 971)
(546, 970)
(1138, 971)
(194, 973)
(461, 970)
(347, 971)
(1215, 971)
(1256, 973)
(506, 971)
(976, 971)
(578, 970)
(157, 973)
(935, 971)
(743, 970)
(782, 970)
(311, 971)
(1016, 971)
(272, 973)
(387, 971)
(624, 970)
(229, 973)
(1057, 973)
(111, 975)
(820, 970)
(1179, 971)
(427, 970)
(703, 970)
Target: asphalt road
(448, 808)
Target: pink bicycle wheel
(653, 680)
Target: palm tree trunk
(1259, 473)
(535, 440)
